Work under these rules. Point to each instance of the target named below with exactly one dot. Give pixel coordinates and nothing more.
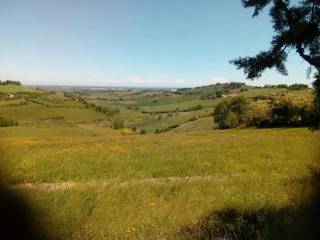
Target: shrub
(260, 97)
(281, 111)
(157, 131)
(117, 123)
(291, 111)
(208, 96)
(257, 114)
(7, 122)
(218, 94)
(298, 86)
(193, 108)
(142, 131)
(229, 114)
(193, 118)
(232, 120)
(238, 106)
(220, 113)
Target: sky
(140, 43)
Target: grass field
(16, 89)
(34, 112)
(109, 185)
(89, 181)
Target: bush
(257, 114)
(193, 118)
(208, 96)
(298, 86)
(157, 131)
(238, 106)
(195, 108)
(291, 111)
(220, 113)
(280, 112)
(232, 120)
(218, 94)
(230, 114)
(142, 131)
(285, 111)
(7, 122)
(117, 123)
(260, 97)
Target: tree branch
(310, 60)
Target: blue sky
(151, 43)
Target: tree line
(10, 82)
(284, 111)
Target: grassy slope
(16, 89)
(249, 169)
(36, 112)
(132, 156)
(202, 124)
(42, 105)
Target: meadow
(86, 180)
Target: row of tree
(295, 86)
(277, 112)
(109, 111)
(10, 82)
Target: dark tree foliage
(10, 82)
(296, 27)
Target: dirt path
(116, 183)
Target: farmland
(87, 180)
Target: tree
(229, 114)
(296, 27)
(238, 106)
(220, 114)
